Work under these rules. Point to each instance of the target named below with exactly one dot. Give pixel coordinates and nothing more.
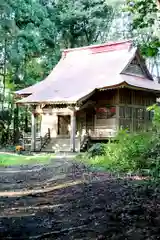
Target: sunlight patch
(32, 192)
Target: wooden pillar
(73, 132)
(117, 118)
(33, 131)
(117, 110)
(133, 112)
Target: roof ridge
(97, 46)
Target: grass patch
(15, 159)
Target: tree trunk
(4, 73)
(16, 124)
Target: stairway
(45, 140)
(41, 142)
(60, 144)
(85, 143)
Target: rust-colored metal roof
(82, 70)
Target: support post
(73, 131)
(33, 131)
(117, 110)
(117, 118)
(16, 125)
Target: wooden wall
(97, 118)
(130, 107)
(50, 119)
(136, 97)
(133, 114)
(105, 117)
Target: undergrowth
(130, 152)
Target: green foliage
(131, 152)
(97, 149)
(5, 116)
(38, 30)
(156, 116)
(14, 159)
(152, 155)
(142, 10)
(33, 32)
(125, 154)
(144, 17)
(151, 47)
(82, 22)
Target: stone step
(61, 145)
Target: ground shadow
(116, 209)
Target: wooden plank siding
(97, 125)
(130, 114)
(133, 113)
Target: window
(128, 112)
(140, 113)
(135, 68)
(125, 124)
(122, 112)
(125, 112)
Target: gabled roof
(82, 70)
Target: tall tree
(44, 27)
(82, 22)
(7, 31)
(33, 32)
(145, 19)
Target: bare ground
(63, 202)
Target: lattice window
(140, 113)
(135, 68)
(138, 125)
(125, 112)
(122, 112)
(125, 124)
(128, 112)
(132, 118)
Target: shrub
(131, 152)
(123, 155)
(152, 156)
(97, 149)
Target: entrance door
(63, 124)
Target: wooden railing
(84, 143)
(40, 141)
(102, 133)
(26, 141)
(45, 140)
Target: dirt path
(69, 207)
